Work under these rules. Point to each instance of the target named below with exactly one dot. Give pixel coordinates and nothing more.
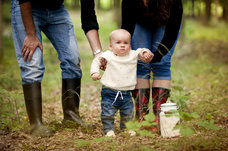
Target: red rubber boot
(141, 98)
(159, 96)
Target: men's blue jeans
(112, 101)
(58, 27)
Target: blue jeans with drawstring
(59, 29)
(112, 101)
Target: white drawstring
(119, 92)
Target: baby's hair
(116, 31)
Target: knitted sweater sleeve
(95, 66)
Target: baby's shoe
(132, 133)
(110, 134)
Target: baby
(118, 79)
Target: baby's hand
(96, 76)
(146, 56)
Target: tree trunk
(117, 12)
(216, 9)
(76, 4)
(1, 31)
(98, 4)
(225, 11)
(207, 10)
(193, 8)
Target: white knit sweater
(120, 73)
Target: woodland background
(199, 86)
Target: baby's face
(120, 44)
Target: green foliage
(146, 148)
(199, 87)
(5, 12)
(138, 127)
(133, 125)
(145, 133)
(188, 116)
(82, 142)
(101, 139)
(208, 125)
(181, 97)
(9, 110)
(196, 31)
(69, 3)
(10, 73)
(186, 126)
(186, 130)
(105, 4)
(150, 118)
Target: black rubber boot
(141, 98)
(33, 102)
(71, 100)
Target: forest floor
(199, 85)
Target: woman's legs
(161, 75)
(141, 39)
(160, 94)
(146, 38)
(161, 83)
(141, 96)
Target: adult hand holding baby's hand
(103, 63)
(96, 76)
(147, 55)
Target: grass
(214, 31)
(199, 85)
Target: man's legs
(31, 73)
(33, 102)
(60, 31)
